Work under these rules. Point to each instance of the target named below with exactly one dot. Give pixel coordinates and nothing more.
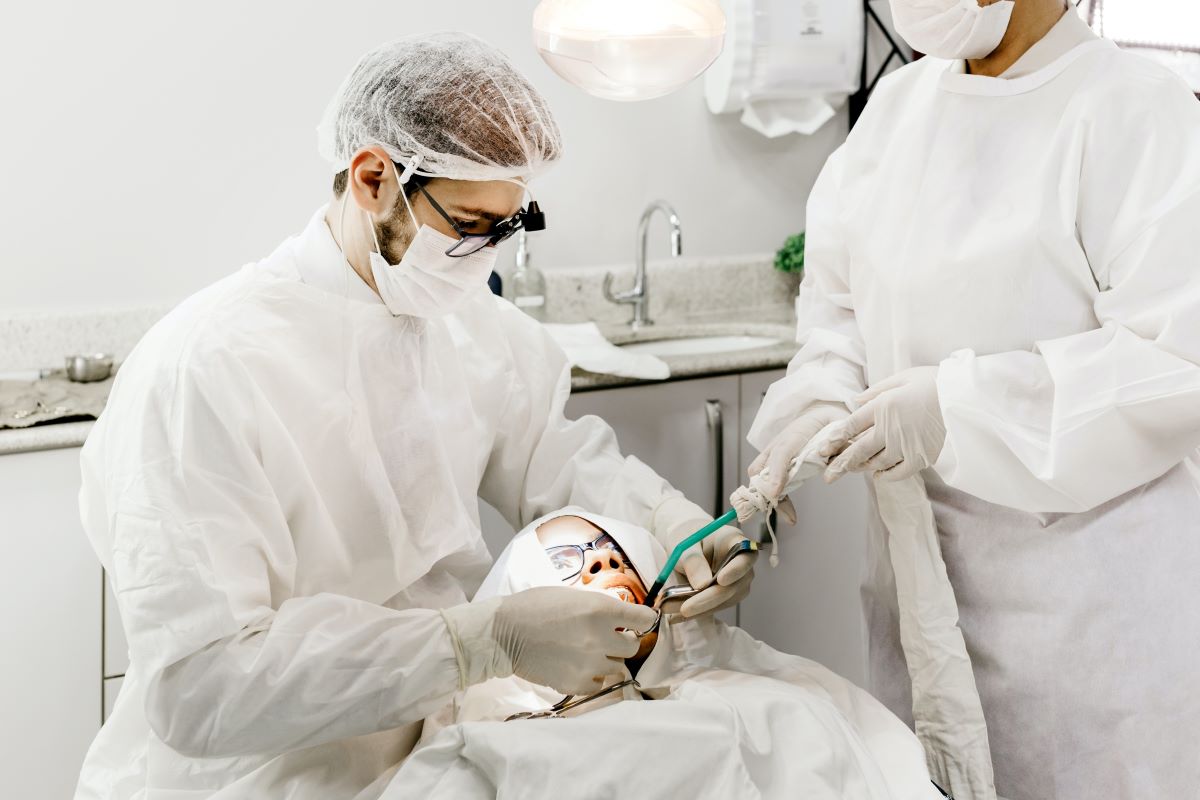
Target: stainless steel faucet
(639, 295)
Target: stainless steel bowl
(88, 369)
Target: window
(1165, 24)
(1165, 30)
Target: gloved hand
(570, 640)
(787, 445)
(896, 432)
(676, 519)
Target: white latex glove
(896, 432)
(675, 520)
(574, 642)
(787, 445)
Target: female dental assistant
(1004, 287)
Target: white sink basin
(700, 345)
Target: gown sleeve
(831, 363)
(200, 556)
(1088, 417)
(542, 461)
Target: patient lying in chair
(713, 713)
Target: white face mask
(427, 283)
(952, 29)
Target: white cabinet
(112, 688)
(686, 431)
(50, 589)
(810, 604)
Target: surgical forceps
(685, 592)
(571, 701)
(728, 519)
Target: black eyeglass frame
(530, 219)
(582, 549)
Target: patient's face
(587, 557)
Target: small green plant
(790, 257)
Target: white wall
(149, 148)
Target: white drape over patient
(735, 719)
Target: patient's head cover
(618, 557)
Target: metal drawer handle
(716, 439)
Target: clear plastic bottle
(527, 284)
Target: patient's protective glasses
(567, 559)
(530, 219)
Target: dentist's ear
(372, 181)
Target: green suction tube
(728, 518)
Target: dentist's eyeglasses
(530, 219)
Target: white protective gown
(1038, 236)
(283, 491)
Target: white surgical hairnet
(448, 103)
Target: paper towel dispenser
(788, 65)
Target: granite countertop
(729, 296)
(73, 434)
(44, 437)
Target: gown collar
(1069, 40)
(1067, 34)
(322, 265)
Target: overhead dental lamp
(629, 49)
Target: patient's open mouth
(622, 593)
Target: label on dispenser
(530, 301)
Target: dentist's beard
(395, 233)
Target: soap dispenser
(527, 284)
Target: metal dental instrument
(570, 702)
(652, 628)
(728, 518)
(684, 592)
